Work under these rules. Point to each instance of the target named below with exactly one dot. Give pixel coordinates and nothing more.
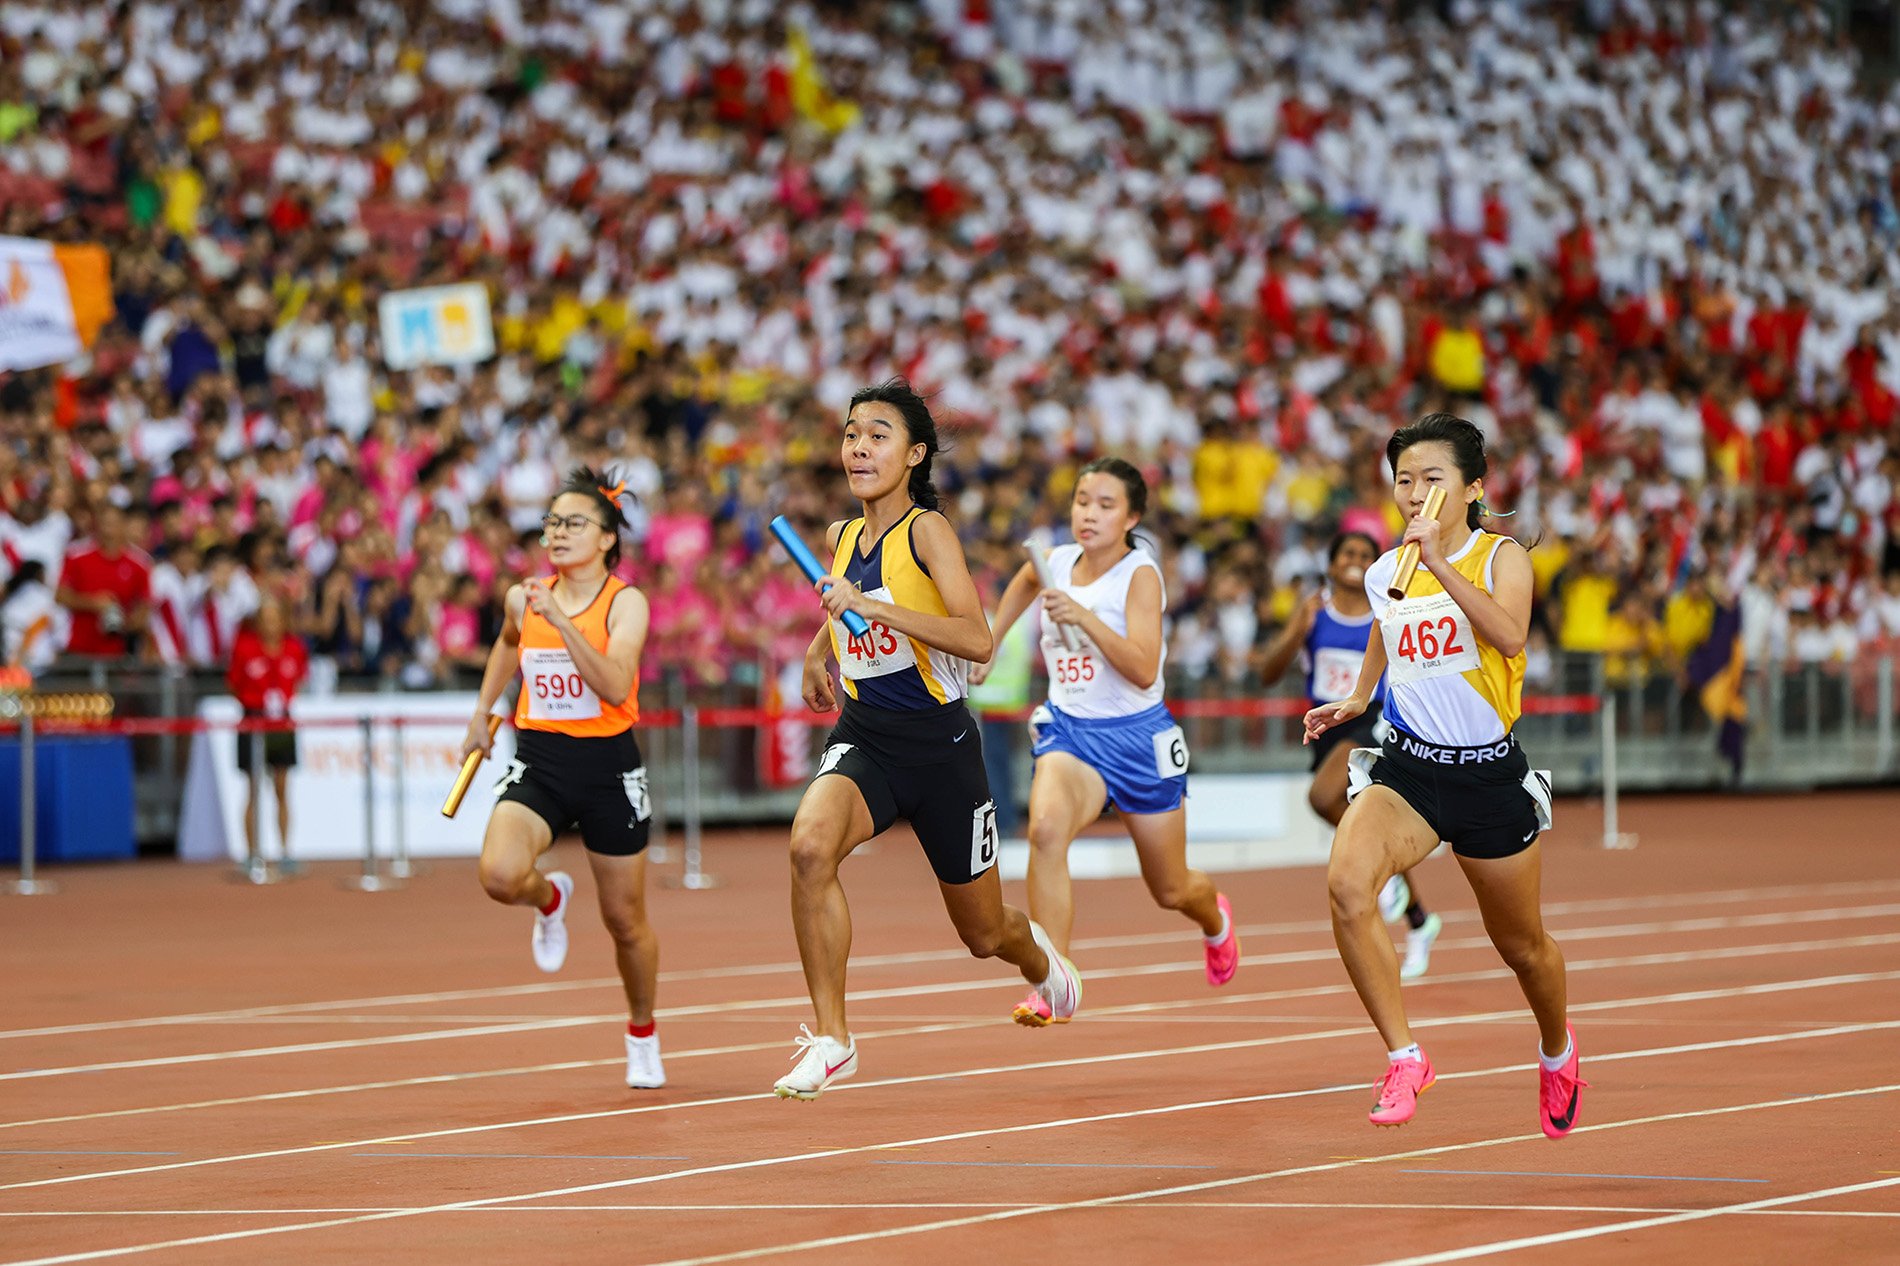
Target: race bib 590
(554, 688)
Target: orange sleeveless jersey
(554, 699)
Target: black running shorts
(1477, 799)
(926, 767)
(597, 784)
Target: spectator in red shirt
(107, 585)
(268, 665)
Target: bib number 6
(1171, 753)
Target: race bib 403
(878, 653)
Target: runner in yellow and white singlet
(1452, 652)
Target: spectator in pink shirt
(458, 628)
(681, 534)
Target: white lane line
(915, 1205)
(1672, 901)
(1286, 958)
(1032, 1127)
(1356, 1031)
(1128, 1010)
(1138, 1198)
(1640, 1224)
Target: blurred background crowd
(1651, 246)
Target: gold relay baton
(1408, 554)
(473, 761)
(470, 763)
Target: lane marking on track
(1719, 896)
(551, 1023)
(1034, 1127)
(1548, 1173)
(1357, 1031)
(1111, 1201)
(1159, 1203)
(1639, 1224)
(1127, 1010)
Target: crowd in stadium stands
(1651, 246)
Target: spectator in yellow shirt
(1456, 356)
(1687, 618)
(1584, 594)
(1633, 640)
(1231, 473)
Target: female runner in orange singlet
(576, 637)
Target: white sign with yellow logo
(436, 325)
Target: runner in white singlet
(1105, 738)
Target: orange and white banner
(53, 299)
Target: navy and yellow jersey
(887, 669)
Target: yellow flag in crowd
(810, 97)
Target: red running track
(193, 1070)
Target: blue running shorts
(1142, 757)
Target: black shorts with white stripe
(598, 784)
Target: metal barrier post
(1776, 712)
(1883, 716)
(257, 868)
(369, 880)
(29, 884)
(659, 851)
(1613, 835)
(399, 867)
(168, 741)
(1811, 683)
(694, 877)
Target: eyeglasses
(573, 523)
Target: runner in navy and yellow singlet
(575, 637)
(1452, 654)
(905, 745)
(1328, 632)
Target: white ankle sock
(1552, 1063)
(1226, 926)
(1405, 1052)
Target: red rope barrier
(715, 718)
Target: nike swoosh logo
(831, 1069)
(959, 738)
(1570, 1113)
(1530, 837)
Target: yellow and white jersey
(1443, 683)
(887, 669)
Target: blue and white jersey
(1335, 652)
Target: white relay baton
(1040, 561)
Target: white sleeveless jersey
(1082, 682)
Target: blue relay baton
(808, 563)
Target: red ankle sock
(553, 905)
(640, 1030)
